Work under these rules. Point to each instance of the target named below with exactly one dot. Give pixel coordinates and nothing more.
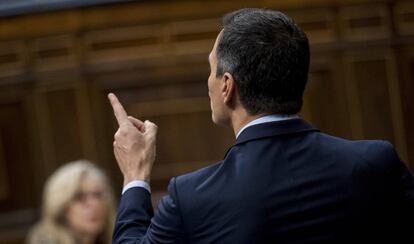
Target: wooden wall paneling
(188, 142)
(36, 144)
(50, 23)
(118, 47)
(109, 16)
(16, 155)
(305, 112)
(158, 11)
(43, 124)
(59, 105)
(131, 89)
(4, 178)
(192, 37)
(153, 55)
(365, 22)
(320, 25)
(170, 90)
(373, 97)
(53, 53)
(56, 64)
(17, 200)
(99, 17)
(59, 126)
(396, 104)
(405, 58)
(64, 120)
(14, 225)
(171, 106)
(21, 96)
(352, 94)
(149, 46)
(325, 98)
(173, 71)
(12, 59)
(187, 137)
(177, 101)
(86, 124)
(169, 77)
(403, 13)
(104, 127)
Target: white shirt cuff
(136, 183)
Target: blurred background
(59, 59)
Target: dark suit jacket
(281, 182)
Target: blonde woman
(78, 207)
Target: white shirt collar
(266, 119)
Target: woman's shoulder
(44, 233)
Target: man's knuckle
(123, 131)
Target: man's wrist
(136, 183)
(128, 180)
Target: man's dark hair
(268, 56)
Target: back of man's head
(268, 56)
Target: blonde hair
(59, 190)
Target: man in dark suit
(282, 181)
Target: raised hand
(134, 144)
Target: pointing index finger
(119, 111)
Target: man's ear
(228, 88)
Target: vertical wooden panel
(405, 60)
(42, 133)
(404, 17)
(187, 138)
(86, 123)
(374, 99)
(325, 99)
(157, 64)
(104, 127)
(373, 95)
(53, 52)
(12, 58)
(64, 125)
(365, 22)
(4, 185)
(62, 132)
(15, 153)
(319, 24)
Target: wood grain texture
(57, 67)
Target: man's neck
(239, 120)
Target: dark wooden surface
(57, 67)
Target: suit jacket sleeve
(399, 177)
(136, 223)
(402, 182)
